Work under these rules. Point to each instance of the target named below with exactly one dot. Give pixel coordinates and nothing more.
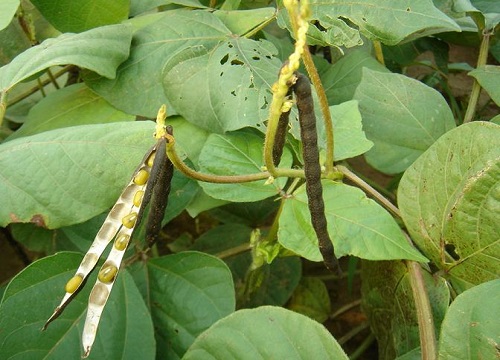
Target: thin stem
(379, 54)
(370, 190)
(34, 89)
(325, 109)
(476, 88)
(220, 179)
(234, 251)
(223, 179)
(362, 348)
(3, 105)
(352, 333)
(425, 320)
(345, 308)
(260, 27)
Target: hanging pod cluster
(150, 183)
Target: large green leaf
(449, 199)
(242, 21)
(238, 154)
(188, 292)
(388, 301)
(489, 78)
(78, 16)
(357, 225)
(247, 68)
(470, 328)
(70, 106)
(8, 9)
(341, 79)
(137, 88)
(266, 333)
(189, 138)
(69, 175)
(377, 19)
(100, 50)
(349, 138)
(125, 330)
(402, 116)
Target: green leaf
(8, 9)
(341, 79)
(140, 6)
(377, 20)
(349, 136)
(72, 16)
(402, 116)
(488, 77)
(470, 328)
(69, 106)
(188, 292)
(311, 298)
(100, 50)
(328, 31)
(357, 225)
(247, 68)
(69, 175)
(278, 279)
(266, 333)
(242, 21)
(137, 88)
(125, 330)
(238, 154)
(388, 301)
(449, 193)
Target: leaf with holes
(247, 68)
(450, 201)
(137, 87)
(376, 19)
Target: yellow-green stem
(428, 344)
(476, 88)
(223, 179)
(3, 105)
(379, 54)
(325, 109)
(370, 190)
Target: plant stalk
(476, 88)
(370, 190)
(428, 343)
(222, 179)
(325, 109)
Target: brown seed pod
(312, 169)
